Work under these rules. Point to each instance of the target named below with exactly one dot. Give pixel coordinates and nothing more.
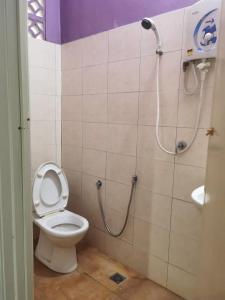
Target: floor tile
(91, 281)
(74, 286)
(148, 290)
(101, 267)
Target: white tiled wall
(45, 101)
(109, 115)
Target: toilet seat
(64, 224)
(50, 189)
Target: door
(211, 283)
(15, 208)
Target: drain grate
(117, 278)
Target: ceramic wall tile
(95, 49)
(95, 79)
(124, 42)
(181, 283)
(124, 76)
(95, 108)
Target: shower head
(148, 23)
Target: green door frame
(16, 254)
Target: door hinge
(27, 123)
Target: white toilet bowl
(60, 229)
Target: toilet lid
(50, 189)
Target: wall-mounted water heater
(201, 30)
(200, 47)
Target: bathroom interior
(121, 100)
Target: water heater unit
(201, 30)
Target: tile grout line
(114, 61)
(82, 128)
(106, 152)
(137, 136)
(100, 283)
(171, 214)
(56, 95)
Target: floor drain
(117, 278)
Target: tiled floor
(91, 281)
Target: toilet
(60, 229)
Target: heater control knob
(208, 37)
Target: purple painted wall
(53, 21)
(68, 20)
(80, 18)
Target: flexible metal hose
(99, 185)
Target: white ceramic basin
(198, 195)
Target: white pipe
(158, 110)
(203, 71)
(194, 90)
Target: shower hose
(203, 71)
(99, 185)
